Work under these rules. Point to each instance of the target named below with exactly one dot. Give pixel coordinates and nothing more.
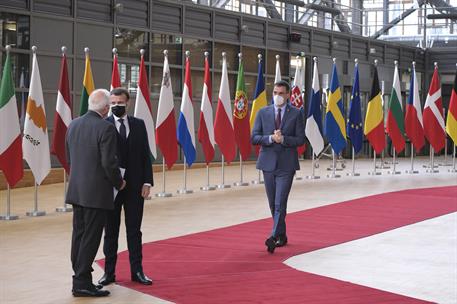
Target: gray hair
(98, 100)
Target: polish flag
(166, 123)
(206, 130)
(223, 125)
(63, 115)
(433, 114)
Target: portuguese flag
(88, 86)
(374, 120)
(395, 121)
(241, 124)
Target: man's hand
(277, 136)
(145, 191)
(124, 183)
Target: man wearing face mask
(135, 157)
(279, 129)
(91, 153)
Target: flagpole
(35, 211)
(431, 169)
(374, 172)
(241, 182)
(208, 187)
(184, 190)
(445, 164)
(8, 216)
(223, 185)
(163, 193)
(64, 208)
(259, 180)
(333, 174)
(394, 171)
(412, 171)
(313, 165)
(453, 170)
(353, 173)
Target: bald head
(99, 101)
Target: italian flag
(10, 139)
(395, 122)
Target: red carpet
(231, 265)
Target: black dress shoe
(141, 278)
(107, 279)
(93, 292)
(282, 241)
(271, 244)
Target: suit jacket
(91, 145)
(282, 156)
(138, 163)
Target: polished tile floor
(34, 252)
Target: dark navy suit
(278, 161)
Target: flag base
(313, 177)
(163, 194)
(257, 182)
(223, 186)
(452, 170)
(353, 174)
(185, 191)
(374, 173)
(208, 188)
(64, 209)
(412, 171)
(35, 213)
(433, 170)
(298, 178)
(393, 172)
(8, 217)
(333, 175)
(337, 169)
(241, 184)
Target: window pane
(283, 63)
(197, 85)
(161, 42)
(15, 30)
(130, 42)
(130, 74)
(20, 68)
(251, 60)
(197, 48)
(156, 82)
(232, 55)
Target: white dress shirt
(118, 124)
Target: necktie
(278, 119)
(122, 129)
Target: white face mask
(278, 100)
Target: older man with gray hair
(91, 145)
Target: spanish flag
(374, 119)
(88, 85)
(451, 122)
(335, 125)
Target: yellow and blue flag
(260, 97)
(335, 126)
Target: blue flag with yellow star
(354, 126)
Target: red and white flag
(224, 134)
(35, 143)
(115, 78)
(296, 95)
(433, 114)
(63, 115)
(205, 130)
(143, 109)
(166, 123)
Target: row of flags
(415, 124)
(231, 127)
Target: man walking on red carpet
(279, 130)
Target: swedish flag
(335, 126)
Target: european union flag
(354, 127)
(335, 124)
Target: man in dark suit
(135, 157)
(91, 144)
(279, 130)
